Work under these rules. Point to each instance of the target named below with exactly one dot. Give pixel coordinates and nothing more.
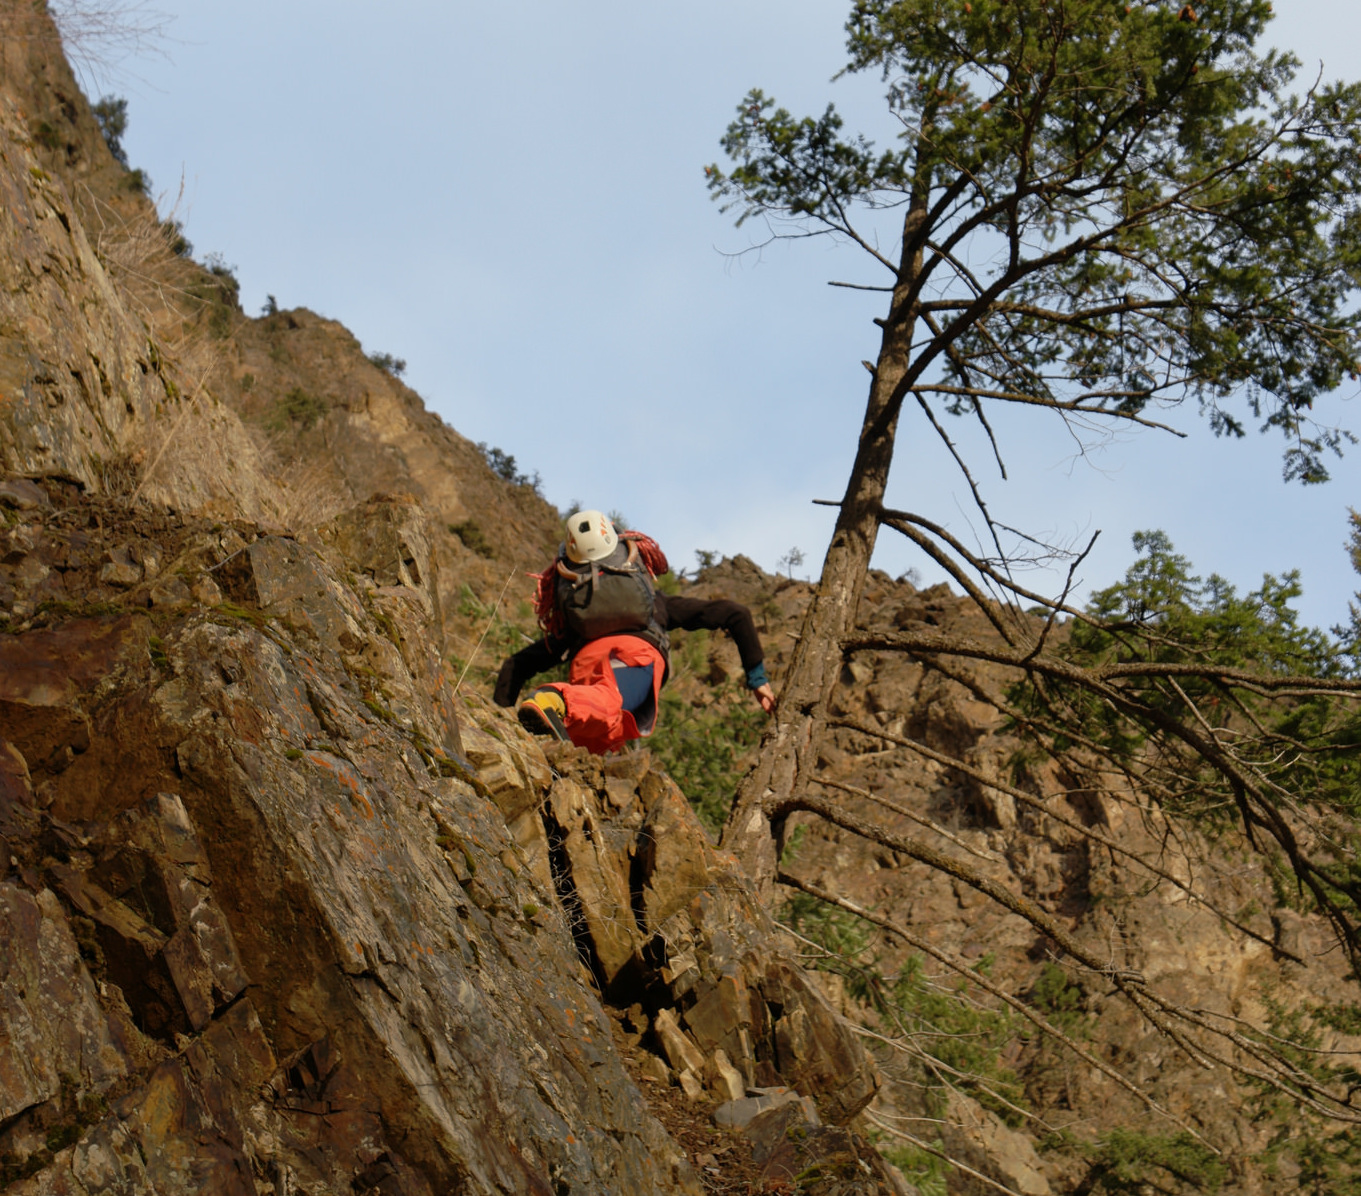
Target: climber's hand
(765, 697)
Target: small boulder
(171, 592)
(23, 495)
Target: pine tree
(1160, 223)
(1114, 214)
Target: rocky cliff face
(1047, 833)
(288, 907)
(284, 910)
(274, 922)
(87, 393)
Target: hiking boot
(542, 714)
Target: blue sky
(511, 197)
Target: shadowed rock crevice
(675, 932)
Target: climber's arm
(538, 657)
(693, 614)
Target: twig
(1063, 598)
(458, 684)
(976, 977)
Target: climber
(600, 609)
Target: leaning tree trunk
(789, 750)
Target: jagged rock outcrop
(1137, 919)
(227, 824)
(56, 114)
(273, 921)
(672, 926)
(86, 392)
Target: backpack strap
(567, 573)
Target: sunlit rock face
(270, 911)
(236, 945)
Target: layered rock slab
(672, 925)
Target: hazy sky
(511, 197)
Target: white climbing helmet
(590, 537)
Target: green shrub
(955, 1039)
(297, 409)
(46, 135)
(176, 240)
(1126, 1161)
(925, 1171)
(111, 114)
(473, 537)
(503, 465)
(1060, 1000)
(396, 366)
(703, 748)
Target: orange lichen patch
(571, 1016)
(344, 772)
(248, 722)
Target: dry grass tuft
(313, 495)
(201, 456)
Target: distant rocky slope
(1066, 853)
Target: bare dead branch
(1043, 807)
(961, 968)
(1274, 1070)
(899, 808)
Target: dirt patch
(720, 1158)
